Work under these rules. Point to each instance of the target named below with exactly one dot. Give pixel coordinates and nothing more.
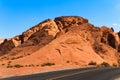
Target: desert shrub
(114, 65)
(26, 65)
(29, 65)
(13, 58)
(67, 61)
(4, 57)
(9, 66)
(37, 65)
(105, 64)
(47, 64)
(3, 64)
(18, 66)
(19, 57)
(28, 54)
(92, 63)
(9, 62)
(32, 65)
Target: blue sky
(17, 16)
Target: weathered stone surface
(1, 41)
(68, 21)
(48, 26)
(45, 30)
(6, 46)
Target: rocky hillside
(67, 41)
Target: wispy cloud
(116, 25)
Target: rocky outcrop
(68, 21)
(17, 40)
(40, 34)
(44, 32)
(109, 37)
(105, 36)
(9, 44)
(47, 27)
(48, 30)
(6, 46)
(1, 41)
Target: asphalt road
(74, 74)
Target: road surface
(74, 74)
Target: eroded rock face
(109, 37)
(6, 46)
(103, 37)
(9, 44)
(112, 41)
(48, 26)
(68, 21)
(17, 40)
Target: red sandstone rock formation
(67, 40)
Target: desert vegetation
(105, 64)
(114, 65)
(47, 64)
(15, 66)
(67, 61)
(92, 63)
